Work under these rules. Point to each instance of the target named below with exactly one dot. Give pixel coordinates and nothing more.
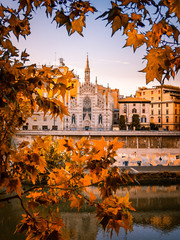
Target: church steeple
(87, 71)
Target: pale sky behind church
(108, 60)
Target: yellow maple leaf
(78, 24)
(135, 39)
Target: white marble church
(92, 108)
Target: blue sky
(109, 61)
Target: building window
(125, 110)
(166, 104)
(159, 120)
(45, 127)
(134, 104)
(143, 93)
(143, 119)
(140, 94)
(152, 92)
(143, 104)
(35, 127)
(159, 105)
(100, 119)
(159, 91)
(152, 112)
(175, 119)
(54, 127)
(152, 105)
(159, 112)
(152, 98)
(143, 111)
(73, 119)
(167, 119)
(25, 127)
(87, 108)
(35, 119)
(175, 111)
(134, 110)
(44, 118)
(159, 98)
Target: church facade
(91, 108)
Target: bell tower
(87, 71)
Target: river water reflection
(157, 216)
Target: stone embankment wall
(130, 139)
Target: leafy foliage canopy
(76, 167)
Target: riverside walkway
(152, 169)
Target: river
(157, 217)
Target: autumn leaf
(119, 21)
(87, 180)
(134, 39)
(100, 144)
(60, 18)
(76, 202)
(12, 184)
(115, 145)
(78, 24)
(92, 198)
(23, 144)
(61, 143)
(160, 62)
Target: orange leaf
(92, 197)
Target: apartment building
(135, 105)
(165, 105)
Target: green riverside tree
(135, 122)
(122, 124)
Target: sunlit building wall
(134, 105)
(165, 105)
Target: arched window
(100, 119)
(134, 110)
(87, 107)
(143, 119)
(73, 119)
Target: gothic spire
(87, 63)
(87, 71)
